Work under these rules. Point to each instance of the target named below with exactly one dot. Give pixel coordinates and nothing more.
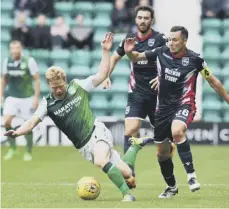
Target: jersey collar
(146, 37)
(182, 54)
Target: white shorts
(101, 133)
(20, 107)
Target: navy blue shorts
(139, 107)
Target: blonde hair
(55, 73)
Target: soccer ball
(88, 188)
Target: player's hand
(107, 42)
(129, 44)
(35, 103)
(107, 83)
(11, 133)
(154, 83)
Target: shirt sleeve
(152, 54)
(163, 40)
(32, 66)
(4, 67)
(202, 67)
(86, 84)
(42, 111)
(120, 50)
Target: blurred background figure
(121, 20)
(59, 33)
(21, 31)
(80, 35)
(20, 75)
(41, 34)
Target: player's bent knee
(178, 135)
(100, 162)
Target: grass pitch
(49, 180)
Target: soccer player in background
(142, 98)
(68, 106)
(20, 75)
(178, 68)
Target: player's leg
(26, 113)
(9, 112)
(134, 115)
(162, 136)
(102, 155)
(179, 126)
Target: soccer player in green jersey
(20, 75)
(68, 106)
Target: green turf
(49, 180)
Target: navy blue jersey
(177, 78)
(143, 71)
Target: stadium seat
(212, 116)
(5, 37)
(64, 8)
(41, 54)
(225, 24)
(61, 64)
(212, 38)
(210, 23)
(6, 22)
(211, 104)
(81, 57)
(42, 66)
(225, 71)
(120, 84)
(118, 101)
(96, 55)
(120, 113)
(99, 101)
(102, 21)
(103, 7)
(99, 112)
(86, 8)
(122, 69)
(60, 55)
(6, 6)
(225, 56)
(44, 86)
(79, 72)
(207, 89)
(226, 84)
(209, 55)
(226, 116)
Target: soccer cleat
(193, 184)
(11, 152)
(169, 192)
(131, 182)
(128, 198)
(140, 141)
(27, 156)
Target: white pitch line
(103, 184)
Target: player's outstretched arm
(218, 87)
(104, 67)
(133, 55)
(26, 127)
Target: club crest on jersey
(151, 42)
(71, 90)
(185, 61)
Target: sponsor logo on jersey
(127, 110)
(185, 61)
(16, 73)
(172, 74)
(71, 90)
(151, 42)
(69, 106)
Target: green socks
(12, 141)
(116, 177)
(131, 154)
(29, 139)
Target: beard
(144, 28)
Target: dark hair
(145, 8)
(182, 29)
